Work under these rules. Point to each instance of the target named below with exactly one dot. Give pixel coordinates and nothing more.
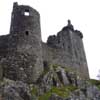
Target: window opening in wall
(63, 45)
(27, 33)
(45, 65)
(26, 13)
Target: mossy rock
(46, 96)
(34, 90)
(95, 82)
(60, 91)
(99, 86)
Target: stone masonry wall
(23, 54)
(23, 60)
(66, 49)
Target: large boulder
(15, 91)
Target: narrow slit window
(63, 45)
(26, 13)
(27, 33)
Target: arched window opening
(26, 13)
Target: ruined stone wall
(79, 53)
(56, 56)
(23, 60)
(66, 49)
(23, 54)
(58, 50)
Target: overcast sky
(84, 15)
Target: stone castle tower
(25, 25)
(24, 50)
(66, 49)
(23, 55)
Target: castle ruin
(23, 55)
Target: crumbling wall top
(24, 10)
(59, 40)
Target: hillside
(55, 83)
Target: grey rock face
(63, 76)
(93, 92)
(56, 78)
(54, 84)
(15, 91)
(82, 95)
(55, 97)
(84, 89)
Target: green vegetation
(67, 69)
(60, 91)
(55, 66)
(95, 82)
(71, 88)
(45, 96)
(99, 86)
(34, 90)
(63, 91)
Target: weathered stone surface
(51, 86)
(89, 93)
(22, 52)
(1, 73)
(56, 76)
(62, 74)
(15, 91)
(55, 97)
(66, 49)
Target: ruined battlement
(23, 54)
(58, 40)
(29, 16)
(66, 49)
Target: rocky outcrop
(15, 91)
(55, 83)
(87, 93)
